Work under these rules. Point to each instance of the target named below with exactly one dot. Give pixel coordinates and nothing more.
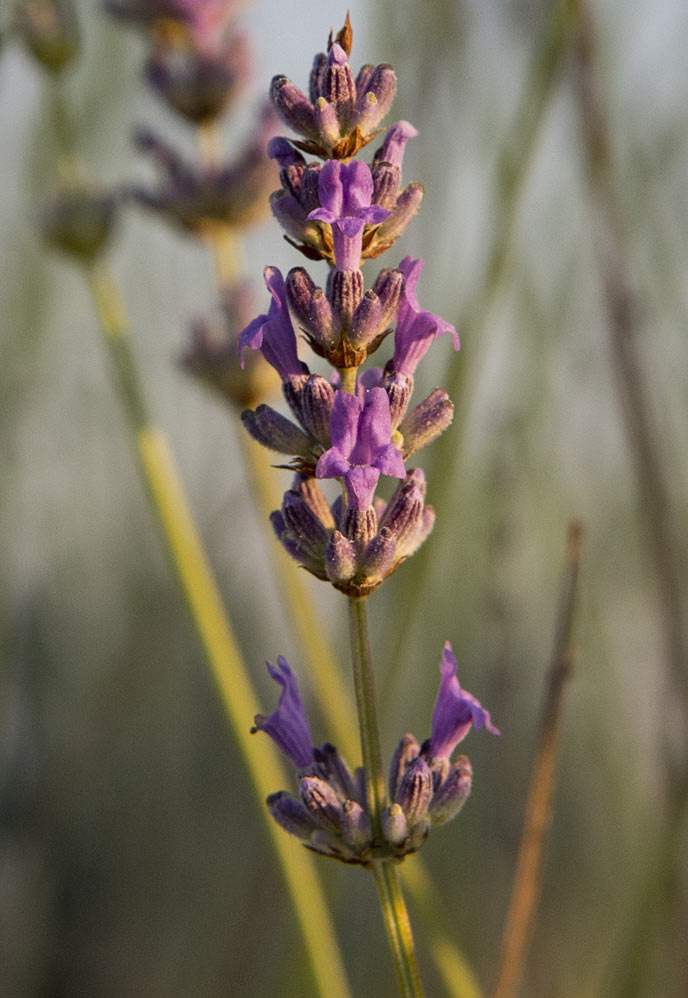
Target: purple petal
(455, 711)
(361, 483)
(288, 725)
(332, 464)
(346, 410)
(392, 150)
(330, 187)
(390, 462)
(374, 427)
(252, 336)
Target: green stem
(348, 376)
(367, 716)
(394, 912)
(229, 671)
(398, 928)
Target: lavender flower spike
(288, 725)
(273, 334)
(455, 711)
(361, 446)
(345, 192)
(416, 328)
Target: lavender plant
(355, 426)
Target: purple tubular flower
(345, 192)
(273, 334)
(416, 328)
(455, 711)
(392, 148)
(361, 446)
(288, 725)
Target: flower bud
(293, 107)
(355, 826)
(452, 794)
(360, 526)
(404, 754)
(406, 207)
(345, 290)
(394, 825)
(426, 421)
(415, 791)
(340, 558)
(317, 76)
(316, 406)
(291, 814)
(386, 179)
(322, 804)
(375, 98)
(338, 86)
(366, 321)
(379, 557)
(274, 431)
(399, 388)
(326, 122)
(332, 767)
(388, 287)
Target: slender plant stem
(195, 576)
(538, 815)
(513, 164)
(394, 912)
(367, 715)
(398, 928)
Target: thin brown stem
(538, 814)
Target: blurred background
(133, 851)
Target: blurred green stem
(212, 624)
(513, 163)
(394, 912)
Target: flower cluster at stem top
(358, 424)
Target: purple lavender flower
(455, 711)
(361, 446)
(288, 725)
(273, 334)
(345, 192)
(416, 328)
(392, 148)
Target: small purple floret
(361, 433)
(455, 711)
(273, 334)
(392, 148)
(416, 328)
(345, 192)
(288, 725)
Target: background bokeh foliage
(133, 856)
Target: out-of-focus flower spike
(49, 29)
(79, 221)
